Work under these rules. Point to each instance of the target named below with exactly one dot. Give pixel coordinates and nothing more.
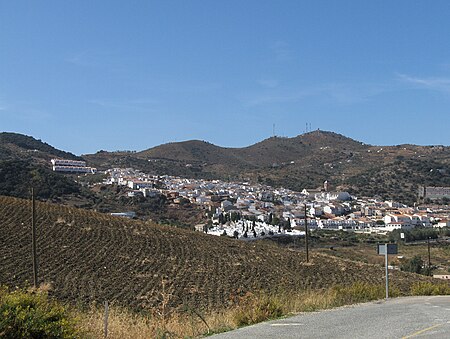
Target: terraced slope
(89, 256)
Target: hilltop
(91, 257)
(19, 146)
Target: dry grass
(125, 324)
(249, 309)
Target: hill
(91, 257)
(19, 146)
(305, 161)
(25, 163)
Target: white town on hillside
(244, 210)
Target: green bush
(33, 315)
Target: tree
(287, 225)
(275, 220)
(222, 219)
(414, 265)
(234, 216)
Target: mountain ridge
(304, 161)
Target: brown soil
(92, 257)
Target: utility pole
(33, 236)
(105, 319)
(306, 236)
(429, 257)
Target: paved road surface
(411, 317)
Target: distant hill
(264, 153)
(305, 161)
(91, 257)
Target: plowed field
(88, 256)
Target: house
(443, 223)
(404, 219)
(316, 210)
(389, 227)
(423, 219)
(149, 193)
(335, 209)
(442, 276)
(201, 199)
(226, 204)
(129, 215)
(134, 194)
(200, 227)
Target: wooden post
(429, 257)
(106, 318)
(306, 236)
(33, 241)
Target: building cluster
(434, 193)
(233, 206)
(71, 166)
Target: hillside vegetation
(305, 161)
(18, 176)
(25, 163)
(15, 145)
(91, 257)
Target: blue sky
(114, 75)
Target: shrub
(33, 315)
(254, 309)
(362, 292)
(430, 288)
(413, 265)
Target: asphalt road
(410, 317)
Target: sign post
(387, 274)
(306, 236)
(386, 249)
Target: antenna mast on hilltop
(308, 127)
(273, 130)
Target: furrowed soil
(92, 257)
